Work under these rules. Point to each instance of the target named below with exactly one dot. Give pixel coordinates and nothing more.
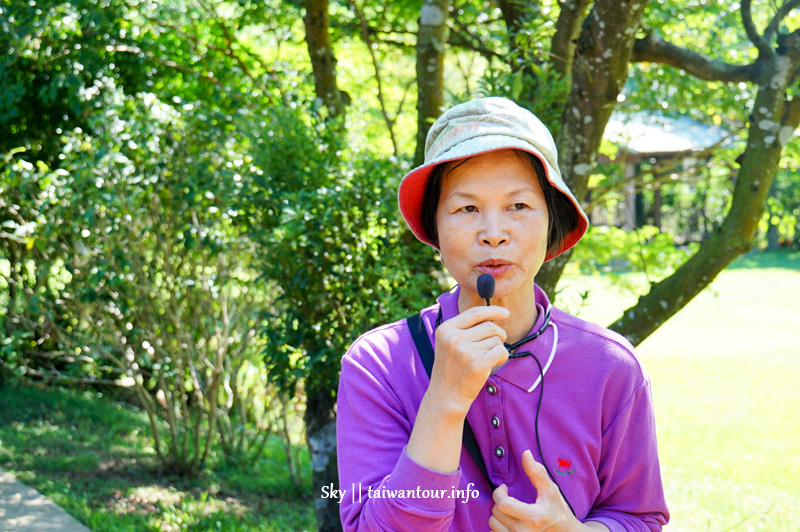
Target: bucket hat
(477, 127)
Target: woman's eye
(469, 208)
(519, 206)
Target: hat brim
(414, 185)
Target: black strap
(425, 350)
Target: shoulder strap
(425, 350)
(421, 340)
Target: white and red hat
(481, 126)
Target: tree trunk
(658, 202)
(320, 419)
(599, 70)
(796, 242)
(771, 125)
(638, 201)
(520, 16)
(516, 14)
(320, 416)
(323, 60)
(430, 69)
(772, 236)
(570, 18)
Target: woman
(581, 456)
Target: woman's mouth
(495, 268)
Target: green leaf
(516, 84)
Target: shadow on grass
(94, 457)
(784, 260)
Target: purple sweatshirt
(596, 430)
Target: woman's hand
(468, 346)
(549, 512)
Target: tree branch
(516, 15)
(782, 13)
(793, 112)
(568, 25)
(15, 238)
(661, 173)
(323, 60)
(735, 235)
(230, 40)
(365, 31)
(430, 68)
(122, 48)
(602, 58)
(764, 49)
(460, 41)
(457, 38)
(196, 41)
(654, 49)
(399, 44)
(402, 99)
(376, 29)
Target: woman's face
(492, 218)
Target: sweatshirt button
(499, 452)
(491, 389)
(495, 422)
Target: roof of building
(645, 133)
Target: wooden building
(649, 138)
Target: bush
(157, 276)
(648, 250)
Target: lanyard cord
(511, 348)
(536, 422)
(515, 345)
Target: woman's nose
(494, 232)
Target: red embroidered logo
(564, 467)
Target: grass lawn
(95, 459)
(726, 385)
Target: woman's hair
(562, 218)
